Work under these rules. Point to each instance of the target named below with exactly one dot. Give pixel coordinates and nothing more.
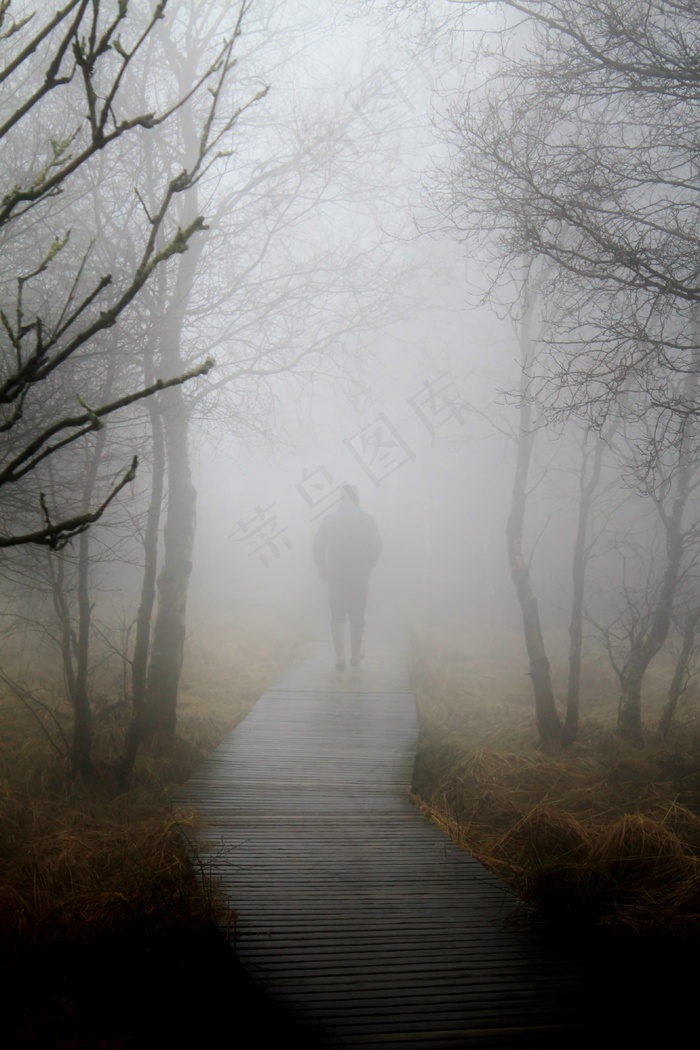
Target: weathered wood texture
(354, 913)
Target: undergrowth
(602, 838)
(106, 936)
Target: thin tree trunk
(168, 647)
(578, 576)
(75, 647)
(150, 567)
(548, 721)
(81, 746)
(142, 642)
(81, 750)
(681, 671)
(629, 716)
(57, 576)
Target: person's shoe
(357, 653)
(338, 632)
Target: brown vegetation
(106, 936)
(602, 836)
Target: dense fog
(272, 250)
(283, 282)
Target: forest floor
(107, 939)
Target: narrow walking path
(354, 913)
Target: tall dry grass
(95, 880)
(603, 837)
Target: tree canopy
(579, 150)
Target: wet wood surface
(354, 914)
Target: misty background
(340, 289)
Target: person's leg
(339, 613)
(338, 632)
(356, 615)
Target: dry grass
(603, 837)
(95, 880)
(77, 855)
(102, 921)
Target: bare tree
(588, 121)
(69, 121)
(64, 104)
(276, 286)
(578, 151)
(548, 721)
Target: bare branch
(39, 449)
(57, 535)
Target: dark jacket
(347, 545)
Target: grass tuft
(98, 882)
(601, 836)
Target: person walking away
(346, 549)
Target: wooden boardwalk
(355, 914)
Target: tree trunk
(629, 716)
(629, 719)
(74, 655)
(168, 644)
(168, 647)
(57, 576)
(681, 671)
(81, 746)
(150, 566)
(142, 642)
(578, 577)
(548, 721)
(75, 648)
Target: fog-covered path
(354, 914)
